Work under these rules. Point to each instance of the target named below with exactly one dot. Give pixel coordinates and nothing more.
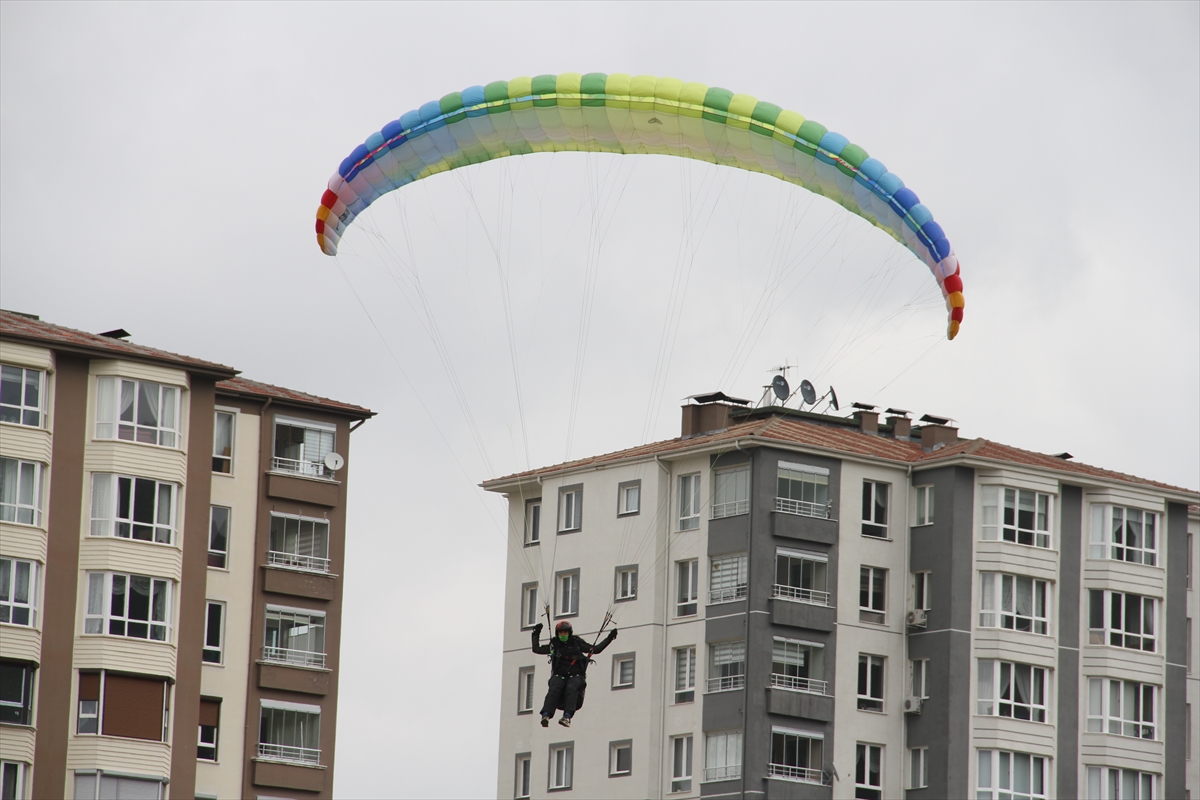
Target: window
(561, 758)
(301, 447)
(1012, 690)
(210, 721)
(299, 543)
(872, 595)
(223, 442)
(727, 581)
(681, 763)
(870, 683)
(18, 592)
(533, 521)
(723, 756)
(529, 605)
(627, 582)
(294, 636)
(868, 774)
(98, 785)
(726, 666)
(21, 396)
(218, 536)
(1026, 516)
(799, 666)
(685, 674)
(1111, 783)
(802, 577)
(921, 591)
(12, 780)
(1014, 602)
(570, 508)
(526, 693)
(919, 668)
(1121, 619)
(1122, 708)
(875, 508)
(918, 767)
(133, 706)
(688, 578)
(623, 671)
(88, 718)
(689, 502)
(620, 758)
(1124, 534)
(568, 594)
(214, 632)
(629, 498)
(136, 606)
(289, 732)
(1013, 776)
(796, 755)
(16, 693)
(20, 491)
(924, 506)
(524, 776)
(133, 508)
(803, 490)
(731, 492)
(137, 411)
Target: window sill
(568, 530)
(1120, 649)
(623, 515)
(533, 544)
(93, 537)
(622, 686)
(625, 599)
(31, 727)
(1138, 564)
(1019, 544)
(21, 625)
(872, 711)
(877, 538)
(619, 774)
(117, 638)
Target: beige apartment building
(172, 541)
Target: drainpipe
(662, 722)
(749, 587)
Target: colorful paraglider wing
(642, 114)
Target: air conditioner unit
(912, 705)
(917, 618)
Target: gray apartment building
(814, 606)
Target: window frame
(872, 595)
(780, 770)
(305, 754)
(801, 594)
(20, 767)
(1103, 541)
(690, 502)
(533, 522)
(868, 698)
(209, 647)
(1106, 635)
(1000, 615)
(918, 767)
(567, 773)
(732, 746)
(107, 619)
(529, 610)
(799, 478)
(685, 675)
(781, 655)
(619, 659)
(22, 407)
(995, 497)
(115, 484)
(614, 758)
(305, 562)
(718, 588)
(624, 490)
(995, 757)
(989, 691)
(687, 595)
(739, 505)
(682, 753)
(923, 505)
(873, 508)
(523, 776)
(625, 590)
(217, 558)
(303, 466)
(164, 436)
(10, 605)
(1102, 787)
(918, 671)
(231, 413)
(27, 503)
(526, 694)
(572, 596)
(720, 656)
(24, 708)
(1101, 689)
(293, 656)
(920, 593)
(570, 503)
(863, 787)
(215, 744)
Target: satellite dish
(779, 386)
(334, 462)
(833, 399)
(808, 392)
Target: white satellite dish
(334, 462)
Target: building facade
(820, 607)
(171, 543)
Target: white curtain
(103, 499)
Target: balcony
(275, 558)
(293, 658)
(727, 683)
(723, 773)
(733, 509)
(803, 774)
(795, 684)
(727, 594)
(803, 508)
(799, 595)
(288, 753)
(297, 466)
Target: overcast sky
(160, 166)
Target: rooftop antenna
(778, 386)
(831, 395)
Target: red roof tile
(245, 386)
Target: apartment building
(171, 549)
(823, 607)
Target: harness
(556, 655)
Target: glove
(613, 635)
(537, 629)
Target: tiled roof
(245, 386)
(19, 326)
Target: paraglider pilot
(569, 659)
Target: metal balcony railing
(727, 683)
(310, 563)
(811, 596)
(810, 685)
(727, 594)
(286, 752)
(802, 508)
(731, 509)
(795, 773)
(295, 658)
(723, 773)
(310, 469)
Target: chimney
(935, 436)
(868, 421)
(708, 414)
(901, 427)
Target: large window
(137, 606)
(299, 542)
(570, 508)
(685, 674)
(801, 576)
(1124, 534)
(16, 692)
(870, 683)
(1121, 619)
(301, 447)
(799, 666)
(218, 536)
(1122, 708)
(1112, 783)
(289, 732)
(731, 492)
(294, 636)
(1003, 775)
(116, 704)
(20, 491)
(533, 521)
(210, 726)
(868, 772)
(687, 578)
(137, 411)
(872, 594)
(923, 505)
(1014, 602)
(18, 591)
(214, 632)
(567, 602)
(99, 785)
(681, 763)
(689, 502)
(21, 395)
(802, 490)
(723, 756)
(726, 666)
(133, 508)
(1012, 690)
(796, 755)
(223, 442)
(727, 579)
(629, 498)
(562, 757)
(875, 509)
(1026, 515)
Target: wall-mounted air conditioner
(912, 705)
(917, 618)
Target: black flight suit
(568, 668)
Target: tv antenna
(778, 386)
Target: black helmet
(562, 626)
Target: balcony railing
(810, 685)
(795, 773)
(727, 683)
(727, 594)
(310, 469)
(723, 773)
(803, 508)
(295, 658)
(811, 596)
(285, 752)
(310, 563)
(731, 509)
